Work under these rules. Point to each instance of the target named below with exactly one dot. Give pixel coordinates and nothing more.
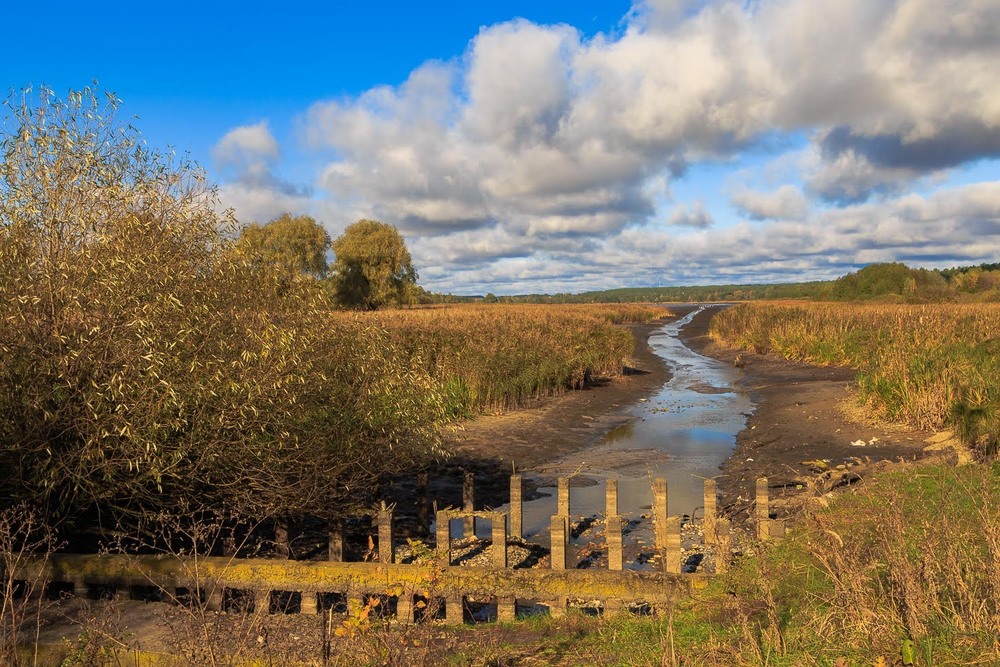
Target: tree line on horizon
(884, 282)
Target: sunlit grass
(932, 366)
(491, 358)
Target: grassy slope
(904, 569)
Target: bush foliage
(144, 362)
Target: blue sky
(526, 146)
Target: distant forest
(888, 282)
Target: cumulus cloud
(248, 155)
(249, 149)
(694, 215)
(539, 142)
(787, 202)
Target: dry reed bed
(933, 366)
(490, 358)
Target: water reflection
(683, 433)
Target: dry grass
(491, 358)
(932, 366)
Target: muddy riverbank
(805, 435)
(573, 421)
(802, 434)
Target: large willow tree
(142, 363)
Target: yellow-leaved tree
(145, 364)
(372, 268)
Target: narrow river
(682, 433)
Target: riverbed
(683, 432)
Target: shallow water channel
(682, 433)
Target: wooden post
(613, 537)
(335, 552)
(499, 540)
(562, 503)
(559, 542)
(611, 497)
(386, 550)
(404, 606)
(763, 512)
(711, 509)
(660, 512)
(557, 608)
(261, 601)
(282, 547)
(214, 596)
(612, 607)
(81, 590)
(672, 550)
(723, 546)
(506, 608)
(444, 536)
(516, 507)
(308, 603)
(453, 612)
(423, 503)
(468, 504)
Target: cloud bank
(541, 159)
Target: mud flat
(804, 435)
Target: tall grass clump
(491, 358)
(906, 567)
(932, 366)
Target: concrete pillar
(81, 590)
(282, 546)
(711, 510)
(261, 601)
(386, 551)
(335, 553)
(672, 550)
(762, 511)
(612, 607)
(453, 612)
(506, 608)
(499, 540)
(613, 537)
(404, 607)
(444, 536)
(559, 543)
(469, 505)
(214, 597)
(516, 507)
(423, 503)
(562, 502)
(557, 608)
(309, 603)
(611, 497)
(660, 512)
(723, 546)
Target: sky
(525, 147)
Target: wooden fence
(311, 586)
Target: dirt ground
(803, 435)
(492, 446)
(569, 422)
(806, 434)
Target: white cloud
(246, 148)
(694, 215)
(787, 202)
(539, 143)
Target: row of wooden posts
(667, 529)
(310, 580)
